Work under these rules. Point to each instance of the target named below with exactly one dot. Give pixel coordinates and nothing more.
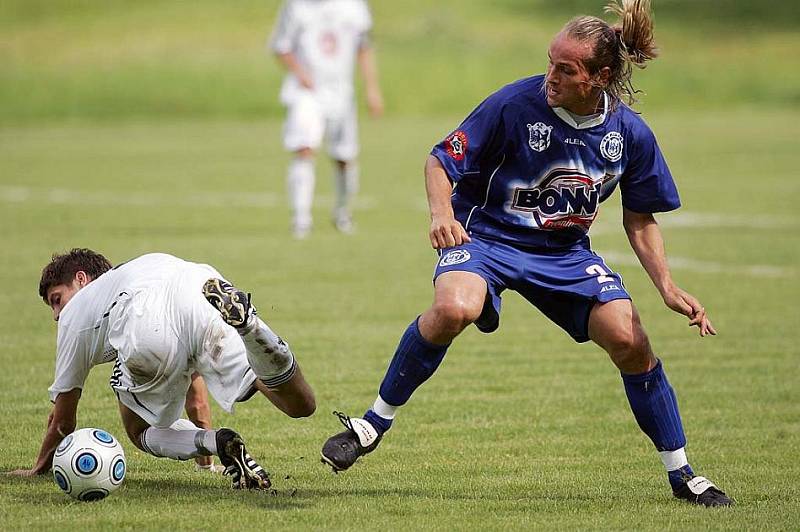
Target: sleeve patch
(456, 145)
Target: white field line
(692, 220)
(63, 196)
(683, 263)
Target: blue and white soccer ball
(89, 464)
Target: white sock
(384, 409)
(674, 459)
(184, 424)
(269, 356)
(346, 181)
(300, 180)
(179, 444)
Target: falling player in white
(319, 42)
(161, 319)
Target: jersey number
(602, 275)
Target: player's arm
(198, 410)
(289, 60)
(62, 421)
(369, 71)
(648, 244)
(445, 231)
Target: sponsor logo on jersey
(457, 256)
(539, 136)
(611, 146)
(575, 142)
(456, 145)
(565, 198)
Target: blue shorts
(564, 285)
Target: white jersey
(324, 36)
(151, 292)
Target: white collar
(565, 115)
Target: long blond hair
(620, 47)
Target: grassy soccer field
(520, 429)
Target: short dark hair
(63, 267)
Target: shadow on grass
(135, 492)
(177, 492)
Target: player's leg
(346, 182)
(198, 410)
(302, 135)
(295, 398)
(342, 134)
(459, 298)
(268, 355)
(151, 378)
(300, 184)
(616, 327)
(182, 440)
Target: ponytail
(620, 47)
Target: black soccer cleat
(245, 472)
(233, 304)
(342, 450)
(700, 491)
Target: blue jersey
(529, 175)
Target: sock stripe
(283, 378)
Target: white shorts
(163, 334)
(307, 122)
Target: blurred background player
(160, 320)
(319, 42)
(531, 165)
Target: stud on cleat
(233, 304)
(245, 472)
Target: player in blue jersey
(512, 194)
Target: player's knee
(304, 407)
(454, 315)
(305, 410)
(630, 349)
(304, 153)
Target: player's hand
(447, 232)
(685, 303)
(375, 103)
(305, 80)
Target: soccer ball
(89, 464)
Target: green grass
(68, 60)
(520, 429)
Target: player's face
(60, 294)
(568, 83)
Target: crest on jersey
(456, 145)
(457, 256)
(539, 136)
(564, 199)
(611, 146)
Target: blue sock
(655, 408)
(414, 361)
(381, 424)
(678, 477)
